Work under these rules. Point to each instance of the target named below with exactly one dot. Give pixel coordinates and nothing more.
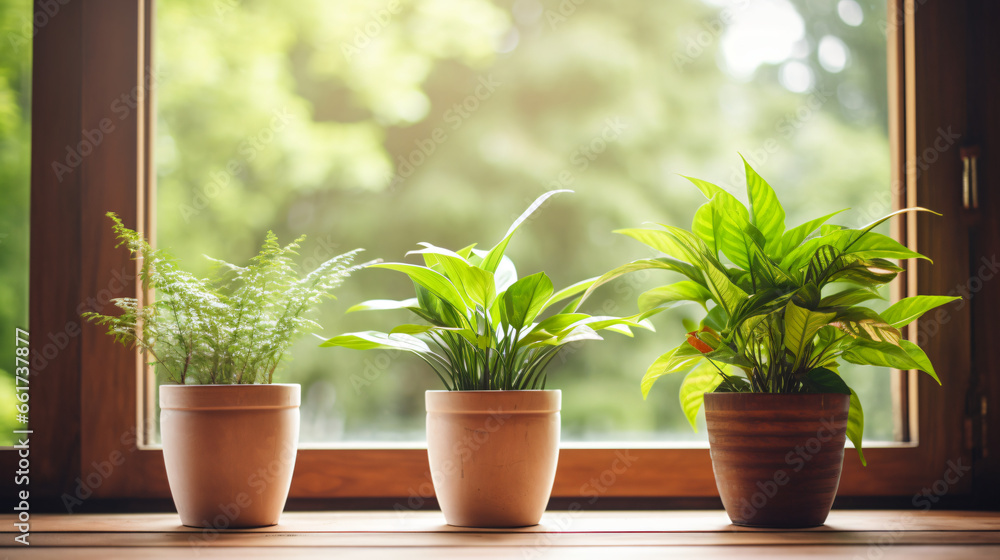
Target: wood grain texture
(936, 81)
(984, 130)
(700, 534)
(88, 397)
(55, 258)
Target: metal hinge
(984, 451)
(974, 427)
(970, 177)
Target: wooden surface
(680, 534)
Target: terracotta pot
(777, 458)
(229, 451)
(493, 455)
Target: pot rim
(493, 391)
(776, 402)
(532, 401)
(230, 397)
(766, 395)
(231, 385)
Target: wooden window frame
(88, 401)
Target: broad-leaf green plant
(482, 327)
(234, 327)
(784, 307)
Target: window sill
(637, 534)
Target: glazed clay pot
(777, 458)
(229, 451)
(493, 455)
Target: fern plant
(483, 328)
(234, 327)
(783, 306)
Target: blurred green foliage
(15, 144)
(380, 124)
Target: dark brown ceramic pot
(777, 458)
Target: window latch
(970, 179)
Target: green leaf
(679, 359)
(873, 245)
(725, 293)
(702, 379)
(795, 236)
(856, 425)
(766, 213)
(370, 340)
(801, 326)
(664, 296)
(421, 329)
(823, 380)
(734, 384)
(492, 259)
(474, 284)
(559, 322)
(716, 318)
(662, 263)
(569, 292)
(707, 221)
(730, 236)
(662, 241)
(434, 310)
(907, 310)
(505, 274)
(883, 354)
(435, 282)
(706, 188)
(920, 358)
(865, 272)
(872, 225)
(863, 323)
(382, 304)
(522, 302)
(849, 297)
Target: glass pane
(15, 166)
(382, 125)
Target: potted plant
(493, 434)
(219, 341)
(784, 307)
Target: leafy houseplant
(219, 341)
(784, 308)
(485, 338)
